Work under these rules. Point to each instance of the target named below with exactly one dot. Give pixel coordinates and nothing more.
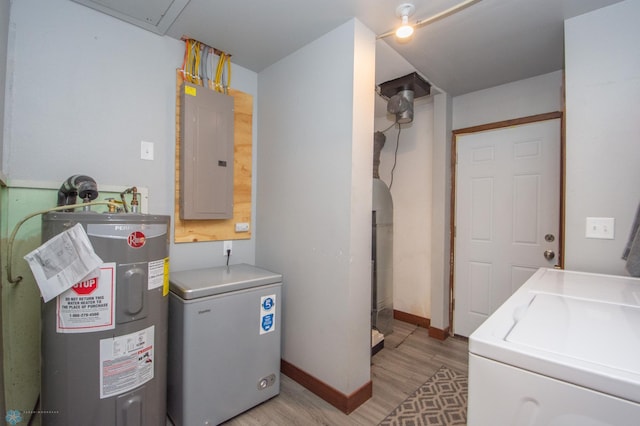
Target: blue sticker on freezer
(267, 314)
(267, 322)
(267, 303)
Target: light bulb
(405, 30)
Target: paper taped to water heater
(64, 260)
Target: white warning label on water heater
(89, 305)
(267, 314)
(126, 362)
(156, 274)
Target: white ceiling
(489, 43)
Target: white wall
(85, 89)
(4, 36)
(411, 189)
(536, 95)
(603, 131)
(412, 207)
(4, 40)
(441, 211)
(314, 201)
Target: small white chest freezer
(224, 342)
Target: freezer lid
(197, 283)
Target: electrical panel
(206, 153)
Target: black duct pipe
(378, 143)
(77, 186)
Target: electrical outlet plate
(228, 245)
(600, 228)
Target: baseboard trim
(411, 319)
(439, 334)
(344, 403)
(436, 333)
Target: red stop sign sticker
(136, 239)
(86, 287)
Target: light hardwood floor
(408, 359)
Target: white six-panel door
(507, 215)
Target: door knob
(549, 254)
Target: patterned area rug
(441, 400)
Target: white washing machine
(564, 349)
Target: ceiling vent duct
(400, 94)
(156, 16)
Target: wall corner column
(441, 216)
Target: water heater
(104, 341)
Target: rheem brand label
(136, 239)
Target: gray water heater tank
(104, 341)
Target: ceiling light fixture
(406, 10)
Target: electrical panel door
(206, 153)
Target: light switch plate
(146, 150)
(600, 228)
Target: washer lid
(197, 283)
(585, 330)
(576, 327)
